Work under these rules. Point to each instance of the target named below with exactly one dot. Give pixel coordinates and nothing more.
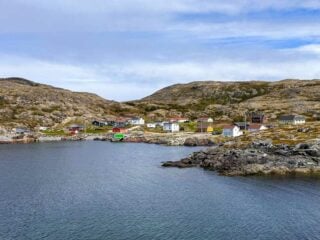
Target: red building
(119, 130)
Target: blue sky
(127, 49)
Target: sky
(127, 49)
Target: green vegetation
(188, 127)
(54, 132)
(100, 130)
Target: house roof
(122, 119)
(255, 126)
(291, 117)
(21, 129)
(257, 115)
(229, 127)
(242, 124)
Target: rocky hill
(23, 102)
(26, 103)
(230, 100)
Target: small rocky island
(258, 158)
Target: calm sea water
(99, 190)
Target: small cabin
(256, 127)
(121, 122)
(231, 131)
(99, 123)
(242, 125)
(171, 127)
(75, 128)
(20, 131)
(259, 118)
(137, 121)
(119, 130)
(292, 119)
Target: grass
(54, 133)
(98, 130)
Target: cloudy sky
(127, 49)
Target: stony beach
(259, 158)
(168, 139)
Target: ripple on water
(99, 190)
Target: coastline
(259, 158)
(168, 139)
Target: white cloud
(129, 81)
(125, 6)
(310, 48)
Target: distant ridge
(27, 103)
(24, 102)
(229, 100)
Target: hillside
(23, 102)
(229, 100)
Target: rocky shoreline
(165, 139)
(259, 158)
(182, 139)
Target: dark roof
(229, 127)
(242, 124)
(22, 129)
(291, 117)
(257, 114)
(255, 126)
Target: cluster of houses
(203, 124)
(257, 122)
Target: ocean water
(99, 190)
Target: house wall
(235, 132)
(171, 127)
(137, 121)
(297, 122)
(227, 132)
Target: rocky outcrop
(259, 158)
(177, 139)
(194, 141)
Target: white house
(136, 121)
(171, 127)
(256, 127)
(292, 119)
(151, 125)
(20, 131)
(231, 131)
